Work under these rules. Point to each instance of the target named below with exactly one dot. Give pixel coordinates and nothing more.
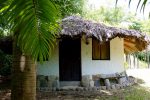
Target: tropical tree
(33, 26)
(111, 16)
(70, 7)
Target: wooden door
(70, 60)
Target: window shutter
(100, 51)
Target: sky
(95, 4)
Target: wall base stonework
(88, 83)
(47, 82)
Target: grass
(135, 92)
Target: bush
(5, 64)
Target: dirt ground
(86, 95)
(70, 95)
(137, 92)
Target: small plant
(126, 65)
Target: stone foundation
(47, 82)
(88, 83)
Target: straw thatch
(77, 26)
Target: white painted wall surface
(50, 67)
(89, 66)
(115, 64)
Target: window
(100, 51)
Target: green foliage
(126, 65)
(111, 16)
(34, 25)
(6, 64)
(70, 7)
(136, 25)
(140, 25)
(4, 26)
(143, 56)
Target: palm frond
(34, 22)
(143, 5)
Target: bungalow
(85, 48)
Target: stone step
(69, 83)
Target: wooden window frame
(100, 51)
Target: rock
(124, 85)
(40, 77)
(113, 87)
(121, 86)
(97, 83)
(43, 89)
(61, 89)
(95, 77)
(56, 84)
(85, 80)
(41, 81)
(98, 88)
(44, 82)
(103, 87)
(69, 88)
(54, 89)
(107, 83)
(90, 88)
(135, 81)
(85, 88)
(122, 80)
(79, 88)
(127, 84)
(117, 86)
(52, 81)
(74, 89)
(95, 89)
(58, 89)
(91, 83)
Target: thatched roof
(77, 26)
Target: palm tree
(23, 76)
(33, 23)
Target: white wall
(89, 66)
(115, 64)
(50, 67)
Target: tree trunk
(23, 76)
